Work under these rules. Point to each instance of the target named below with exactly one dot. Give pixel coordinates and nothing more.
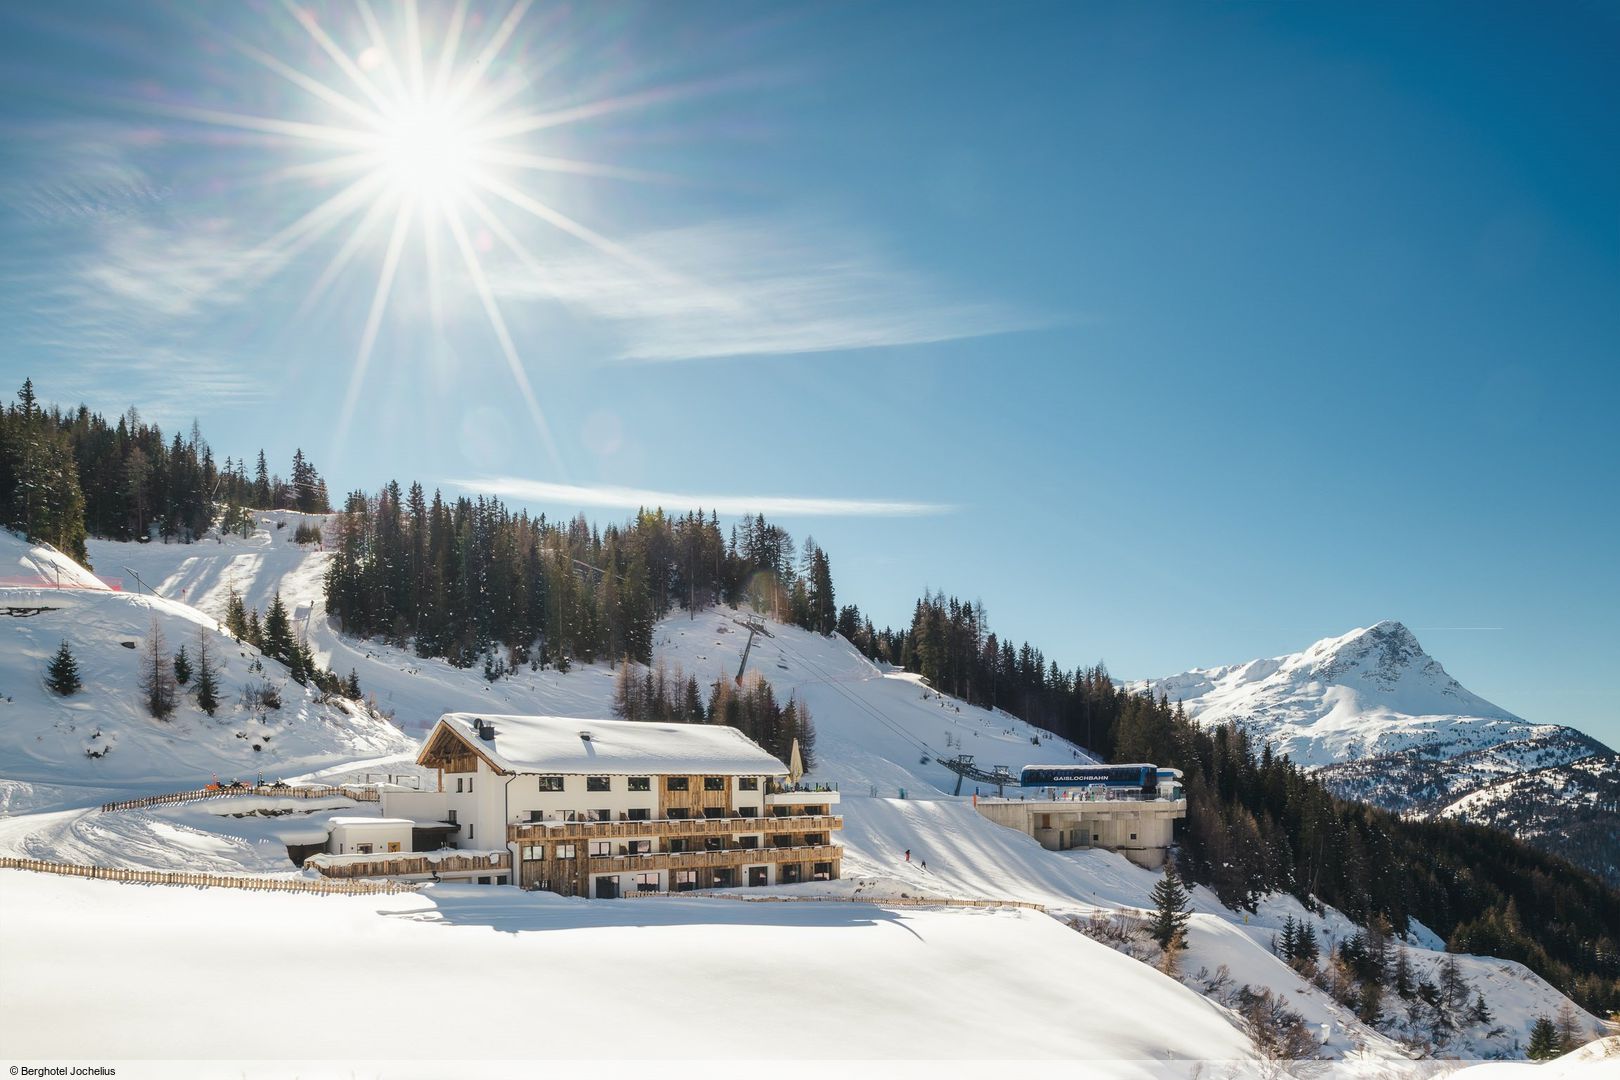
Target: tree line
(66, 476)
(657, 694)
(457, 578)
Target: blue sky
(1177, 334)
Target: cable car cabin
(1142, 780)
(1170, 785)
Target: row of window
(644, 783)
(603, 849)
(643, 813)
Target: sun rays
(418, 142)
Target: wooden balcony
(539, 832)
(407, 863)
(698, 860)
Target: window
(640, 847)
(362, 849)
(714, 811)
(458, 785)
(675, 846)
(640, 813)
(534, 851)
(484, 880)
(598, 783)
(646, 883)
(685, 880)
(601, 849)
(563, 851)
(677, 813)
(748, 783)
(469, 830)
(537, 815)
(823, 871)
(815, 839)
(714, 783)
(781, 841)
(500, 879)
(469, 785)
(675, 783)
(601, 815)
(641, 783)
(452, 818)
(747, 811)
(714, 843)
(815, 809)
(550, 783)
(748, 842)
(1133, 836)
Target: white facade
(367, 836)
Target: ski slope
(101, 742)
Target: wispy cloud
(110, 296)
(632, 498)
(756, 288)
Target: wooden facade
(572, 876)
(696, 798)
(409, 865)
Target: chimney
(585, 736)
(486, 731)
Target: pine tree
(1288, 943)
(157, 674)
(1170, 911)
(236, 620)
(1480, 1013)
(253, 632)
(62, 674)
(207, 688)
(278, 639)
(351, 686)
(182, 667)
(1307, 952)
(1543, 1040)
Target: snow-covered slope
(878, 733)
(60, 751)
(875, 728)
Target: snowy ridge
(1372, 691)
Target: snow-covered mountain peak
(1371, 691)
(1385, 653)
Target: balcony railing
(697, 860)
(539, 831)
(413, 863)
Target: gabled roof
(554, 744)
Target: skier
(925, 866)
(908, 854)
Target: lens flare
(413, 141)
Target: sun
(424, 153)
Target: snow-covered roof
(555, 744)
(353, 821)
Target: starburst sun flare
(425, 153)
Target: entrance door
(757, 876)
(607, 888)
(788, 873)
